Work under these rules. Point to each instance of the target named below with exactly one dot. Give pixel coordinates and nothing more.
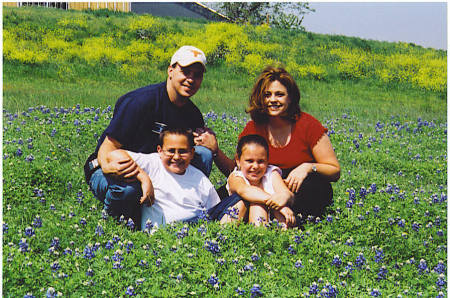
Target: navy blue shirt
(139, 115)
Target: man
(138, 119)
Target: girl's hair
(251, 139)
(177, 131)
(257, 107)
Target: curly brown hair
(257, 108)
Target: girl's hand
(288, 215)
(295, 178)
(277, 201)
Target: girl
(259, 184)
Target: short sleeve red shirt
(304, 136)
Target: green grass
(375, 131)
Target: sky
(422, 23)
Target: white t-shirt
(177, 197)
(267, 184)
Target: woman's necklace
(280, 136)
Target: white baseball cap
(187, 55)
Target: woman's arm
(249, 193)
(326, 165)
(282, 196)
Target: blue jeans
(122, 198)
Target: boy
(172, 189)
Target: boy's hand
(277, 201)
(148, 193)
(288, 215)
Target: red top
(304, 136)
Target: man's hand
(123, 168)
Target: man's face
(176, 153)
(186, 80)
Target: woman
(298, 143)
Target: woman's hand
(295, 178)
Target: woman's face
(276, 99)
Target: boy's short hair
(177, 131)
(251, 139)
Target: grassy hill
(57, 57)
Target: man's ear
(169, 71)
(159, 149)
(237, 162)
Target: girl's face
(276, 99)
(253, 163)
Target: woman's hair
(257, 108)
(177, 131)
(251, 139)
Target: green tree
(286, 15)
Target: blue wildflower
(37, 222)
(441, 282)
(423, 267)
(29, 232)
(213, 280)
(313, 288)
(240, 291)
(329, 291)
(336, 261)
(382, 273)
(51, 293)
(89, 252)
(360, 260)
(379, 255)
(130, 291)
(212, 246)
(298, 264)
(99, 230)
(375, 293)
(130, 223)
(256, 291)
(440, 267)
(23, 245)
(89, 272)
(55, 266)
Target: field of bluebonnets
(385, 235)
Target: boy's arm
(282, 196)
(247, 192)
(148, 193)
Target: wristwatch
(314, 169)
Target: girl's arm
(326, 165)
(282, 196)
(249, 193)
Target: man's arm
(148, 193)
(209, 140)
(121, 166)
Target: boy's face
(176, 153)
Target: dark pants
(313, 197)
